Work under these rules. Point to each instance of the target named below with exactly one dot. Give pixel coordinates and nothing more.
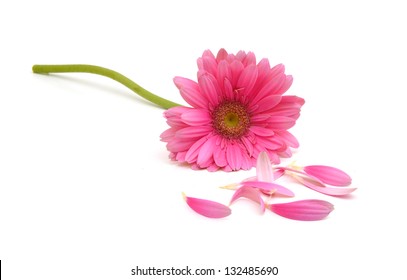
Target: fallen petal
(303, 210)
(207, 208)
(267, 186)
(264, 170)
(278, 173)
(329, 175)
(233, 186)
(249, 193)
(317, 186)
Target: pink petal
(224, 73)
(193, 132)
(236, 67)
(228, 93)
(268, 186)
(303, 210)
(205, 156)
(241, 55)
(278, 173)
(180, 146)
(191, 93)
(270, 88)
(264, 169)
(248, 145)
(329, 175)
(288, 138)
(263, 68)
(247, 79)
(261, 131)
(249, 193)
(276, 70)
(222, 54)
(209, 87)
(168, 134)
(193, 151)
(249, 59)
(210, 65)
(219, 157)
(293, 100)
(207, 208)
(196, 117)
(247, 163)
(286, 85)
(316, 186)
(265, 104)
(234, 156)
(281, 123)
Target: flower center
(231, 120)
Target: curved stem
(84, 68)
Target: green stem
(83, 68)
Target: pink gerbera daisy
(238, 110)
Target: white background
(86, 187)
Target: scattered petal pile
(261, 189)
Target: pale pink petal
(191, 93)
(329, 175)
(303, 210)
(316, 186)
(197, 117)
(267, 186)
(249, 193)
(208, 208)
(264, 169)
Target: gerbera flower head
(237, 111)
